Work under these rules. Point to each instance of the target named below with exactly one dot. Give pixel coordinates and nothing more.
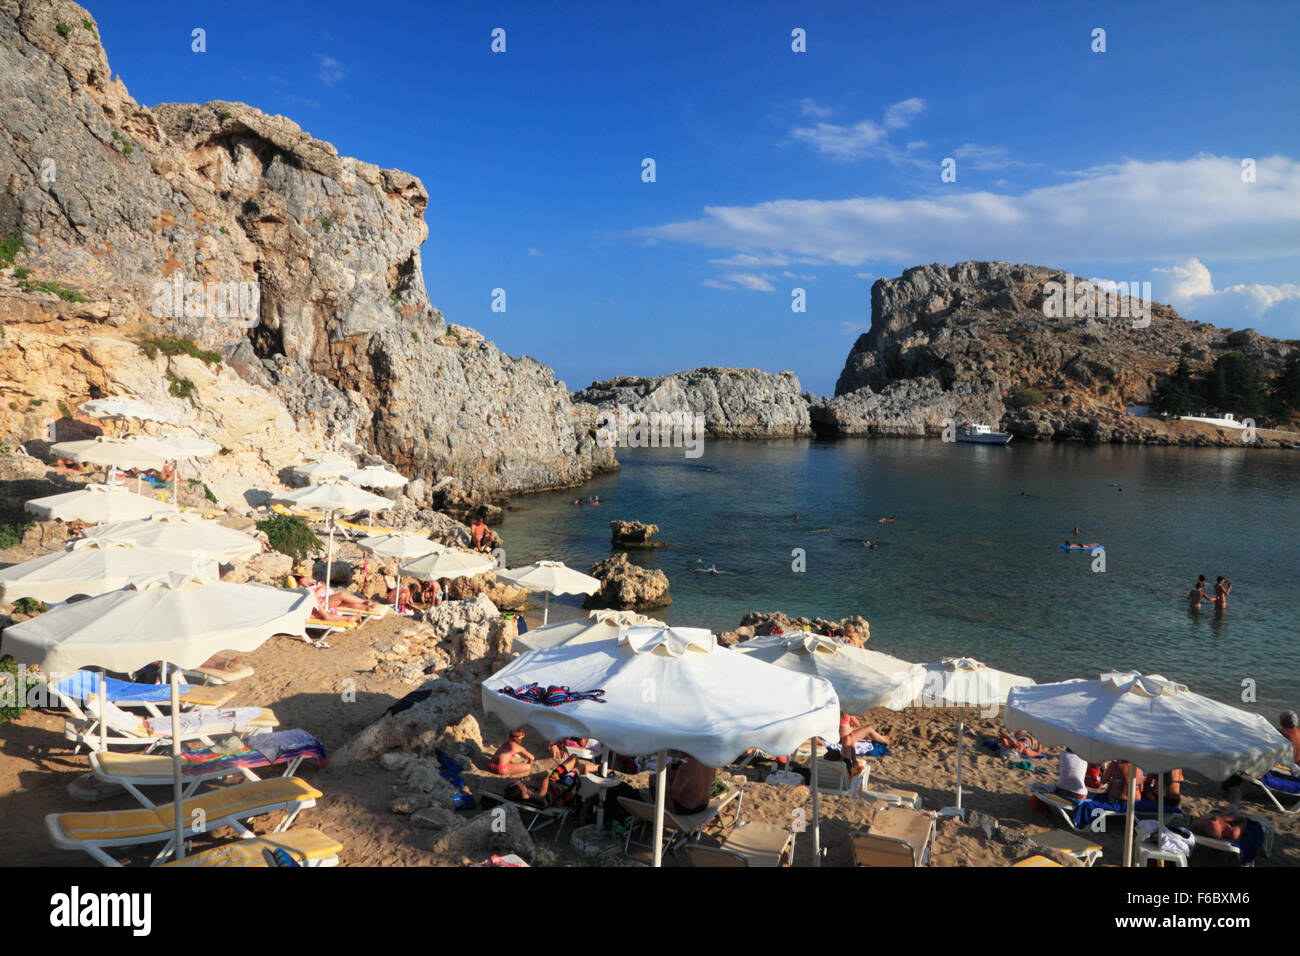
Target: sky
(776, 169)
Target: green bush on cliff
(40, 285)
(1024, 397)
(64, 30)
(170, 345)
(11, 705)
(11, 535)
(181, 388)
(207, 492)
(290, 535)
(10, 246)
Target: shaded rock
(269, 567)
(633, 534)
(626, 585)
(412, 729)
(499, 830)
(504, 596)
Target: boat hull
(993, 438)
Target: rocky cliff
(978, 340)
(240, 233)
(735, 402)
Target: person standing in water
(1222, 588)
(1197, 594)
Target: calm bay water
(970, 566)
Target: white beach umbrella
(863, 680)
(122, 408)
(333, 497)
(176, 619)
(553, 578)
(600, 625)
(401, 545)
(185, 534)
(1151, 722)
(327, 466)
(89, 567)
(178, 448)
(444, 562)
(966, 682)
(110, 453)
(666, 689)
(97, 503)
(374, 476)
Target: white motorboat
(981, 434)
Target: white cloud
(902, 113)
(1164, 211)
(799, 275)
(331, 70)
(1273, 309)
(811, 107)
(741, 280)
(867, 138)
(853, 328)
(865, 275)
(975, 156)
(533, 252)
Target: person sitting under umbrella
(1115, 780)
(690, 786)
(511, 758)
(558, 788)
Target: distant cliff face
(240, 232)
(737, 403)
(961, 342)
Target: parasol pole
(176, 763)
(661, 773)
(817, 820)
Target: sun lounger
(1072, 844)
(1036, 860)
(1264, 835)
(748, 844)
(97, 832)
(72, 691)
(1278, 782)
(287, 748)
(219, 675)
(124, 729)
(833, 778)
(1090, 815)
(898, 836)
(539, 818)
(307, 846)
(681, 827)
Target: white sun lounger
(128, 730)
(1226, 846)
(539, 818)
(1273, 794)
(97, 832)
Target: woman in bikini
(1023, 744)
(511, 759)
(851, 731)
(1173, 788)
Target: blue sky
(777, 170)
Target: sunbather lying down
(1023, 744)
(337, 600)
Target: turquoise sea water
(970, 566)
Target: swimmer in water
(1076, 529)
(888, 520)
(711, 569)
(868, 544)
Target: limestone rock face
(625, 585)
(962, 342)
(269, 567)
(466, 639)
(335, 339)
(738, 403)
(504, 596)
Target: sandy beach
(305, 686)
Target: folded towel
(1281, 784)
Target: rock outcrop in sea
(628, 586)
(735, 402)
(225, 266)
(974, 341)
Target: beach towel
(1084, 810)
(1251, 842)
(262, 750)
(863, 748)
(552, 696)
(1171, 841)
(83, 683)
(1281, 784)
(995, 746)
